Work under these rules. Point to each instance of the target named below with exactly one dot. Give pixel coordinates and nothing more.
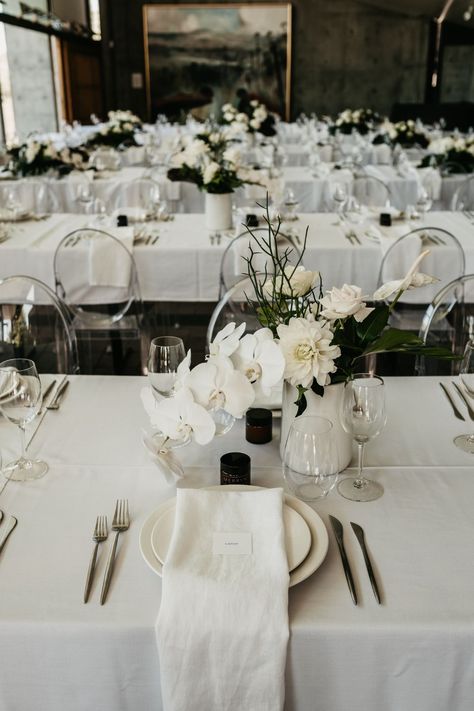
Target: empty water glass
(310, 461)
(166, 353)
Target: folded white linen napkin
(222, 630)
(431, 181)
(109, 264)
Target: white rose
(242, 118)
(232, 155)
(255, 124)
(228, 116)
(228, 108)
(341, 303)
(49, 151)
(260, 114)
(254, 102)
(210, 172)
(308, 353)
(296, 282)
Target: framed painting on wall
(201, 56)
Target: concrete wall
(345, 53)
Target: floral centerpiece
(36, 157)
(309, 338)
(120, 130)
(361, 121)
(451, 154)
(253, 118)
(404, 133)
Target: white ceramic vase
(218, 209)
(327, 406)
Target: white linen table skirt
(414, 652)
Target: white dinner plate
(316, 554)
(297, 536)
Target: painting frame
(282, 6)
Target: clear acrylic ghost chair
(446, 261)
(143, 194)
(233, 263)
(238, 304)
(463, 198)
(33, 196)
(371, 191)
(35, 324)
(448, 322)
(96, 276)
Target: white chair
(96, 276)
(35, 323)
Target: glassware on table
(20, 402)
(339, 197)
(363, 416)
(166, 353)
(84, 195)
(310, 461)
(290, 205)
(423, 203)
(466, 375)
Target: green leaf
(317, 388)
(394, 339)
(374, 324)
(301, 403)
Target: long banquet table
(183, 265)
(313, 193)
(414, 652)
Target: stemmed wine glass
(466, 374)
(166, 353)
(340, 197)
(310, 461)
(363, 416)
(20, 402)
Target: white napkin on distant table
(108, 264)
(431, 181)
(222, 630)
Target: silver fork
(100, 534)
(120, 523)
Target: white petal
(362, 314)
(239, 394)
(202, 424)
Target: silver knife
(359, 532)
(458, 414)
(465, 400)
(339, 532)
(42, 412)
(9, 526)
(54, 405)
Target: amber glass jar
(258, 425)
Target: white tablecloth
(311, 192)
(183, 265)
(413, 653)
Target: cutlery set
(338, 530)
(6, 528)
(352, 238)
(120, 523)
(463, 396)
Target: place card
(232, 543)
